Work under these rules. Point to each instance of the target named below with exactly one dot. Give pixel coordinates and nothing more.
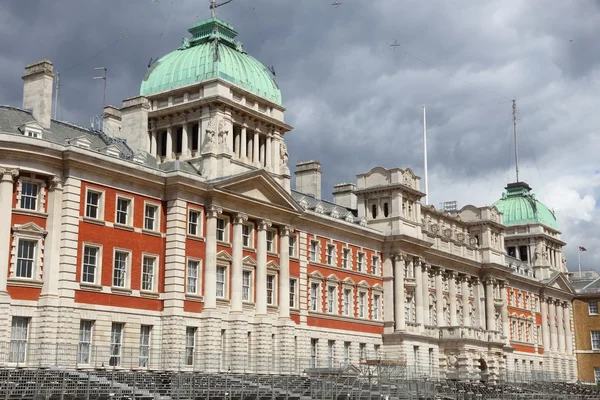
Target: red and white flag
(581, 248)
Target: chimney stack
(134, 123)
(308, 178)
(343, 195)
(111, 118)
(37, 91)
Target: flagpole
(579, 261)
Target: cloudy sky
(356, 102)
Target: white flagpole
(579, 260)
(425, 156)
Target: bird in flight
(395, 44)
(336, 3)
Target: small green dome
(212, 52)
(520, 207)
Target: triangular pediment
(349, 281)
(316, 275)
(363, 284)
(333, 278)
(249, 261)
(259, 186)
(224, 256)
(559, 282)
(272, 265)
(29, 228)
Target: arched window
(477, 240)
(374, 211)
(386, 210)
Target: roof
(309, 202)
(211, 53)
(520, 207)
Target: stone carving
(8, 173)
(185, 44)
(447, 232)
(223, 132)
(460, 237)
(452, 361)
(210, 134)
(564, 262)
(283, 154)
(435, 228)
(55, 183)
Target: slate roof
(325, 207)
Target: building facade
(170, 237)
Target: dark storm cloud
(354, 101)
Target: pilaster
(261, 267)
(236, 264)
(400, 296)
(210, 263)
(452, 297)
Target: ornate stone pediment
(30, 228)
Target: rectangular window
(376, 306)
(313, 352)
(330, 353)
(120, 269)
(145, 331)
(123, 211)
(345, 258)
(148, 273)
(246, 235)
(116, 343)
(271, 289)
(376, 349)
(221, 233)
(314, 296)
(314, 247)
(292, 246)
(347, 300)
(26, 258)
(361, 304)
(375, 265)
(246, 285)
(190, 342)
(85, 341)
(151, 217)
(29, 196)
(90, 264)
(270, 241)
(293, 293)
(92, 204)
(595, 340)
(597, 374)
(362, 351)
(221, 282)
(18, 339)
(360, 263)
(330, 253)
(193, 267)
(346, 353)
(593, 307)
(331, 297)
(194, 223)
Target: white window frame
(273, 289)
(293, 293)
(272, 243)
(97, 267)
(145, 345)
(197, 224)
(593, 307)
(99, 207)
(360, 262)
(597, 375)
(127, 278)
(376, 306)
(595, 340)
(84, 347)
(190, 344)
(39, 197)
(347, 303)
(225, 282)
(130, 206)
(154, 283)
(30, 232)
(116, 343)
(19, 338)
(225, 238)
(330, 254)
(314, 250)
(347, 258)
(332, 299)
(198, 277)
(293, 242)
(315, 299)
(248, 272)
(375, 265)
(249, 237)
(362, 304)
(155, 220)
(22, 258)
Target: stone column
(561, 327)
(439, 297)
(553, 333)
(417, 293)
(255, 151)
(568, 333)
(200, 137)
(545, 332)
(399, 316)
(7, 177)
(236, 264)
(489, 304)
(52, 243)
(452, 297)
(388, 290)
(479, 311)
(425, 268)
(244, 144)
(284, 271)
(268, 160)
(464, 280)
(153, 145)
(261, 267)
(210, 262)
(505, 325)
(169, 146)
(185, 148)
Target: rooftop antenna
(104, 78)
(57, 85)
(425, 155)
(514, 113)
(214, 6)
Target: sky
(355, 101)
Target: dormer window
(34, 134)
(32, 129)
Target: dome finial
(214, 6)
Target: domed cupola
(520, 207)
(212, 52)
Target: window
(120, 269)
(193, 268)
(314, 248)
(361, 304)
(376, 306)
(512, 251)
(313, 352)
(375, 265)
(85, 341)
(33, 134)
(330, 352)
(221, 229)
(148, 273)
(221, 282)
(360, 263)
(314, 296)
(331, 299)
(292, 246)
(347, 300)
(123, 216)
(511, 299)
(194, 223)
(374, 211)
(246, 285)
(595, 340)
(116, 342)
(346, 258)
(597, 374)
(144, 345)
(18, 339)
(26, 258)
(362, 350)
(151, 217)
(376, 349)
(330, 253)
(523, 253)
(271, 290)
(386, 210)
(90, 264)
(247, 235)
(190, 342)
(92, 204)
(346, 353)
(293, 283)
(271, 248)
(29, 196)
(593, 307)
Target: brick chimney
(37, 91)
(308, 178)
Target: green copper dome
(212, 52)
(520, 207)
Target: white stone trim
(130, 209)
(101, 202)
(199, 275)
(200, 221)
(98, 270)
(33, 232)
(127, 270)
(41, 195)
(227, 235)
(157, 218)
(155, 272)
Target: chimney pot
(308, 178)
(343, 195)
(38, 82)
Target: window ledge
(223, 302)
(124, 227)
(225, 244)
(272, 254)
(149, 295)
(24, 282)
(31, 213)
(122, 291)
(193, 237)
(194, 297)
(271, 307)
(251, 249)
(151, 233)
(90, 287)
(94, 221)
